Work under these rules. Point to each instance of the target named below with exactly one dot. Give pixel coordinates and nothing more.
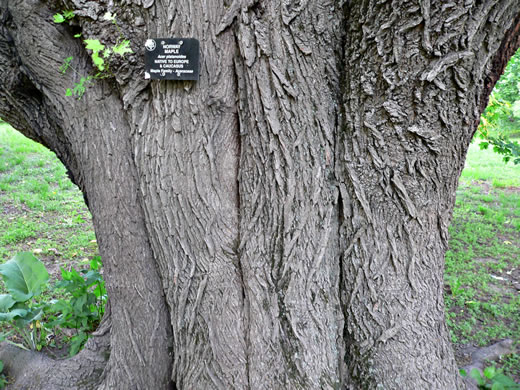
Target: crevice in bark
(245, 311)
(341, 115)
(245, 300)
(340, 126)
(140, 201)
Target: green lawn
(486, 165)
(482, 278)
(40, 209)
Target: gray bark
(412, 102)
(282, 222)
(90, 137)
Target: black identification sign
(171, 59)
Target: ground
(41, 211)
(482, 279)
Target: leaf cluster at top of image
(101, 54)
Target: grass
(482, 275)
(43, 212)
(487, 166)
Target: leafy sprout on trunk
(101, 54)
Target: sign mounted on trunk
(171, 59)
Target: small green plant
(510, 150)
(24, 276)
(3, 379)
(65, 16)
(456, 287)
(85, 305)
(101, 54)
(79, 88)
(492, 379)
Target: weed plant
(43, 212)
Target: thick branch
(90, 135)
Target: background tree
(500, 121)
(282, 222)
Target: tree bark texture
(282, 222)
(412, 101)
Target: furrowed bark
(412, 103)
(90, 136)
(282, 222)
(289, 248)
(187, 149)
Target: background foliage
(500, 122)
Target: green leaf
(92, 277)
(68, 92)
(498, 386)
(6, 302)
(66, 64)
(24, 276)
(79, 88)
(96, 263)
(107, 52)
(123, 48)
(30, 316)
(506, 381)
(70, 276)
(76, 343)
(79, 304)
(61, 306)
(99, 291)
(58, 18)
(98, 61)
(68, 14)
(475, 374)
(94, 45)
(77, 35)
(11, 315)
(463, 372)
(489, 372)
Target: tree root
(481, 356)
(30, 370)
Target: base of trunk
(31, 370)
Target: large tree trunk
(282, 222)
